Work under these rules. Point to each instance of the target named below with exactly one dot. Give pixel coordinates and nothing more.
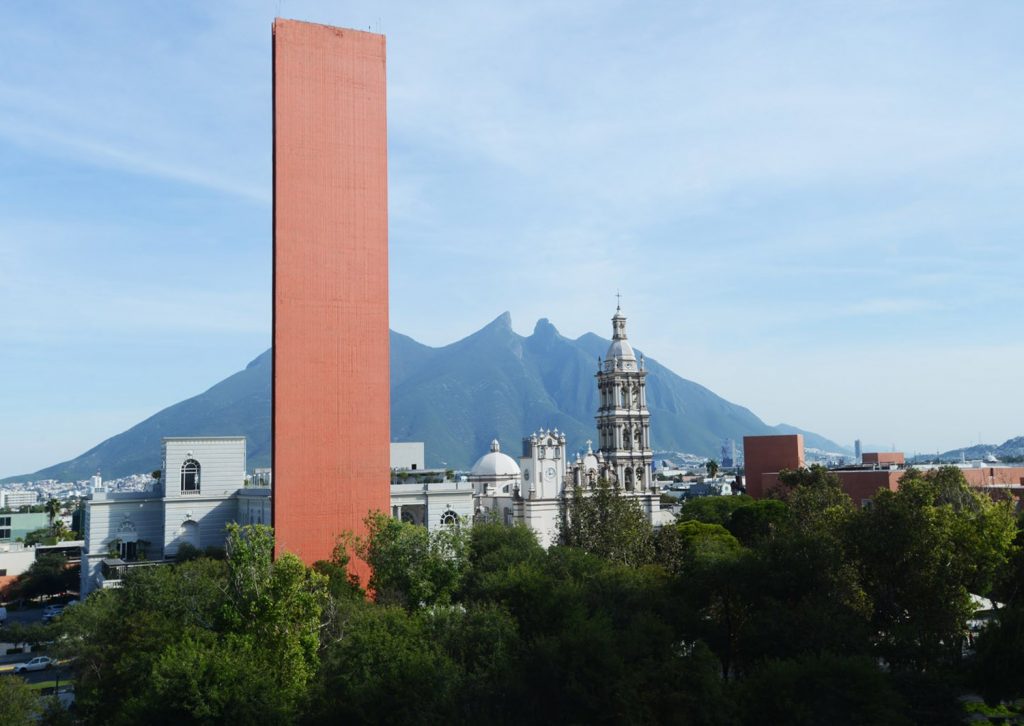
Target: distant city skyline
(811, 209)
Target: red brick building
(880, 470)
(883, 458)
(331, 381)
(764, 454)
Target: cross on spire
(618, 300)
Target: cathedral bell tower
(623, 421)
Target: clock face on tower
(550, 473)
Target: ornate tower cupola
(623, 421)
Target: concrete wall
(15, 560)
(331, 402)
(254, 506)
(407, 455)
(198, 522)
(129, 516)
(763, 454)
(221, 461)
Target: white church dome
(495, 464)
(620, 349)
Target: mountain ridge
(493, 383)
(1012, 449)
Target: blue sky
(812, 208)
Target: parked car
(52, 611)
(39, 663)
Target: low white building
(407, 456)
(201, 490)
(16, 499)
(15, 559)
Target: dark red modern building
(763, 454)
(331, 403)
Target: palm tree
(52, 510)
(712, 467)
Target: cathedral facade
(536, 490)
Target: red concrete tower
(331, 396)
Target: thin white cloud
(51, 142)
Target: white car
(39, 663)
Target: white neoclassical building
(534, 491)
(202, 489)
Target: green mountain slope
(456, 398)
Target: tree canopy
(797, 609)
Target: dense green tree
(604, 522)
(494, 550)
(1009, 584)
(40, 536)
(48, 576)
(998, 670)
(204, 641)
(33, 633)
(809, 597)
(922, 551)
(411, 565)
(117, 636)
(816, 500)
(713, 510)
(714, 571)
(813, 690)
(737, 613)
(759, 522)
(385, 668)
(19, 704)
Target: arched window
(628, 474)
(127, 539)
(188, 533)
(450, 519)
(624, 396)
(190, 477)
